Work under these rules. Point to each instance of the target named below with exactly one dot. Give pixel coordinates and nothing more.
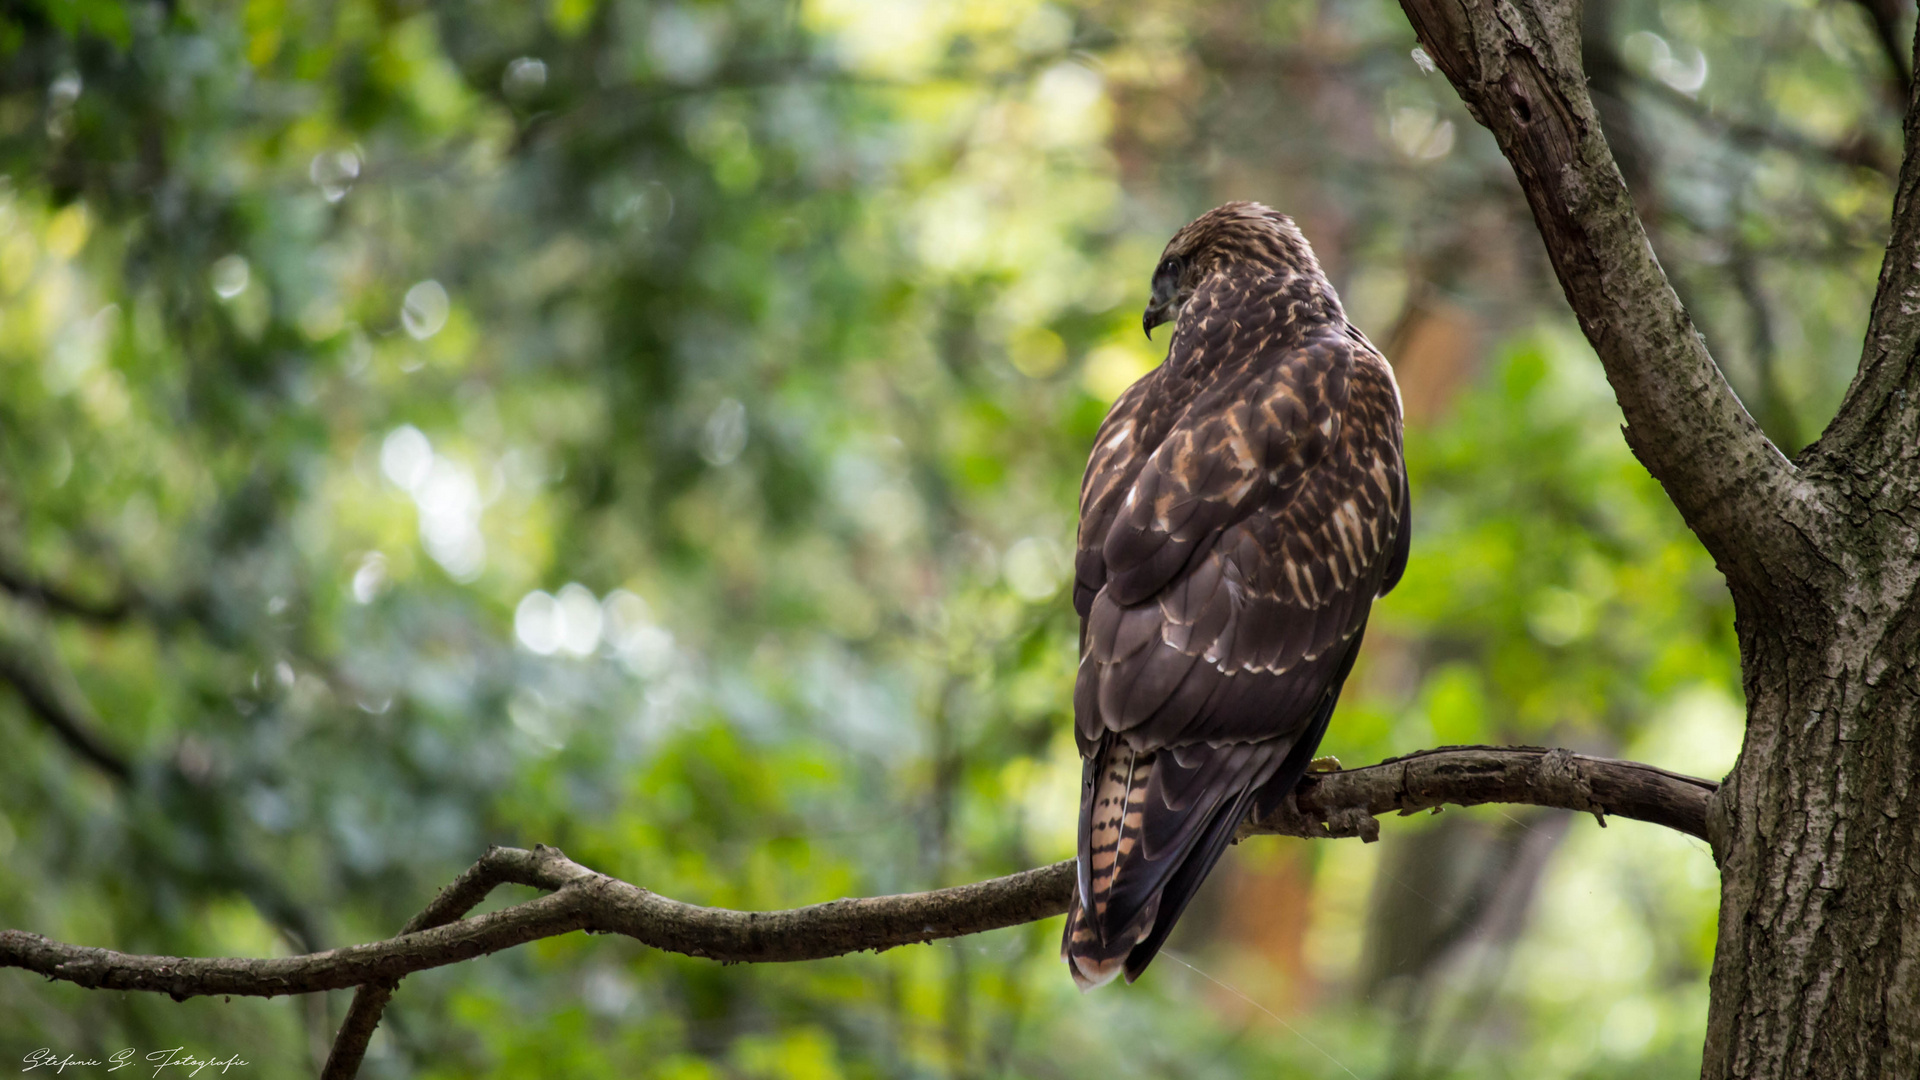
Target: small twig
(497, 867)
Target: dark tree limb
(1877, 425)
(63, 710)
(1517, 66)
(499, 866)
(1326, 805)
(64, 601)
(1857, 150)
(1885, 16)
(51, 694)
(1349, 803)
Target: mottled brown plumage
(1244, 504)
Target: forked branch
(1325, 805)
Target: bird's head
(1237, 234)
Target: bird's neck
(1248, 311)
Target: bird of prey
(1244, 504)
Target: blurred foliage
(654, 429)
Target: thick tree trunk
(1817, 971)
(1817, 830)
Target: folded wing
(1225, 571)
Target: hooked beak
(1157, 312)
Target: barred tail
(1111, 818)
(1154, 823)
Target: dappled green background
(654, 429)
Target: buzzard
(1244, 504)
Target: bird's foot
(1328, 763)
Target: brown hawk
(1244, 504)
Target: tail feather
(1261, 797)
(1185, 882)
(1111, 816)
(1154, 823)
(1112, 813)
(1090, 961)
(1129, 894)
(1096, 951)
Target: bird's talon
(1329, 763)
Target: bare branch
(497, 867)
(1327, 805)
(63, 710)
(1347, 803)
(1857, 150)
(1517, 67)
(582, 900)
(1879, 420)
(1324, 806)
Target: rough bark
(1817, 970)
(1817, 967)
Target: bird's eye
(1168, 268)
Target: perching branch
(1349, 803)
(1516, 65)
(1326, 805)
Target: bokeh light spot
(424, 312)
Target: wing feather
(1236, 526)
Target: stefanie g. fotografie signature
(160, 1060)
